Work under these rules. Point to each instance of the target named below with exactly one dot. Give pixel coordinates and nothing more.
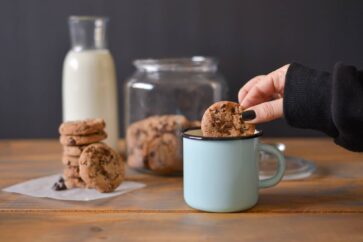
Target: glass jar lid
(192, 64)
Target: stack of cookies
(75, 136)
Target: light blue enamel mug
(221, 174)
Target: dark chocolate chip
(59, 185)
(71, 141)
(106, 152)
(104, 173)
(96, 229)
(228, 126)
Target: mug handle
(281, 165)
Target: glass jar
(163, 97)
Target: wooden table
(325, 207)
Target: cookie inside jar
(163, 97)
(154, 143)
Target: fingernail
(248, 115)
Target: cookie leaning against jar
(154, 143)
(224, 119)
(101, 167)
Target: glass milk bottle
(89, 78)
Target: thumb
(263, 112)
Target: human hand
(262, 96)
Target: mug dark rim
(198, 137)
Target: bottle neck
(88, 33)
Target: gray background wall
(249, 38)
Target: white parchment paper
(42, 187)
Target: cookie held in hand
(223, 119)
(101, 167)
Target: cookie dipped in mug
(224, 119)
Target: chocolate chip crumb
(59, 185)
(96, 229)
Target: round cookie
(145, 134)
(73, 150)
(145, 130)
(82, 127)
(137, 158)
(74, 183)
(72, 140)
(223, 119)
(136, 136)
(164, 155)
(101, 167)
(71, 172)
(168, 123)
(70, 160)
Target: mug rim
(198, 137)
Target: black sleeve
(331, 103)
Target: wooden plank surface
(180, 227)
(315, 195)
(336, 187)
(325, 207)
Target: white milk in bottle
(89, 76)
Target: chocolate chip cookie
(101, 167)
(76, 182)
(71, 172)
(164, 154)
(73, 150)
(141, 147)
(223, 119)
(73, 140)
(82, 127)
(70, 160)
